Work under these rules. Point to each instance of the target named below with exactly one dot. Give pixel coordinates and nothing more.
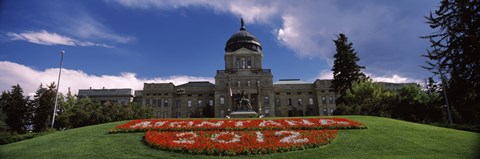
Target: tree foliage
(368, 98)
(455, 50)
(15, 107)
(19, 115)
(43, 102)
(409, 103)
(345, 68)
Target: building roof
(291, 81)
(243, 38)
(197, 84)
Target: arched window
(299, 101)
(310, 101)
(222, 100)
(244, 63)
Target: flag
(230, 92)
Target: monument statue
(242, 101)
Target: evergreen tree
(455, 50)
(43, 107)
(65, 111)
(345, 68)
(14, 105)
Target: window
(310, 101)
(248, 83)
(267, 112)
(239, 84)
(330, 99)
(210, 102)
(324, 101)
(165, 103)
(178, 103)
(249, 63)
(325, 113)
(289, 101)
(222, 100)
(189, 103)
(154, 102)
(299, 92)
(277, 102)
(299, 101)
(158, 114)
(266, 100)
(178, 115)
(331, 110)
(199, 103)
(244, 63)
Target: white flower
(160, 123)
(293, 122)
(141, 125)
(259, 136)
(217, 124)
(292, 138)
(269, 122)
(180, 124)
(236, 137)
(188, 140)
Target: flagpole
(58, 87)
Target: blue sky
(124, 43)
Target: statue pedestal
(243, 114)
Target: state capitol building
(243, 72)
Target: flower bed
(257, 124)
(236, 137)
(238, 142)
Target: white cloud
(44, 37)
(324, 74)
(328, 74)
(251, 11)
(30, 79)
(393, 79)
(86, 27)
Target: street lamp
(58, 87)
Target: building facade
(120, 96)
(243, 72)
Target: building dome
(243, 38)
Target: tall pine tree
(345, 68)
(43, 107)
(455, 51)
(14, 105)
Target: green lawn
(384, 138)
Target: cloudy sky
(124, 43)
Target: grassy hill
(385, 138)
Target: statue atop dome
(243, 24)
